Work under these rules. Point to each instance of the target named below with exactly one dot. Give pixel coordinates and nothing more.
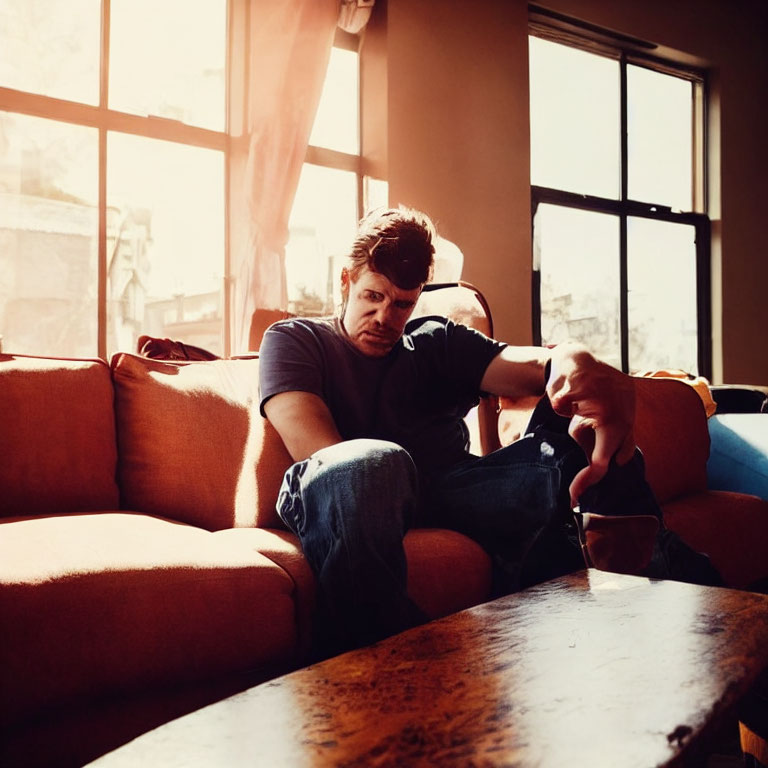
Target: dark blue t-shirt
(416, 396)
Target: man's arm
(303, 421)
(599, 399)
(516, 372)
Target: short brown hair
(397, 243)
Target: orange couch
(144, 572)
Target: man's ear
(345, 280)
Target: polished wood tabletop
(593, 669)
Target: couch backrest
(192, 443)
(57, 436)
(671, 430)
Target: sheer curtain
(290, 44)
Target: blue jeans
(350, 505)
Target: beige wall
(453, 140)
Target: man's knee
(363, 466)
(366, 487)
(362, 455)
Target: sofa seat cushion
(193, 445)
(732, 528)
(57, 436)
(447, 571)
(112, 603)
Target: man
(370, 406)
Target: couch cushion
(671, 431)
(447, 571)
(193, 446)
(113, 603)
(57, 436)
(732, 528)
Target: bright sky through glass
(323, 224)
(336, 124)
(51, 47)
(579, 261)
(574, 119)
(324, 215)
(168, 61)
(183, 187)
(660, 118)
(661, 257)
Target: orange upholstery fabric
(261, 319)
(732, 528)
(57, 436)
(447, 572)
(109, 603)
(282, 547)
(671, 431)
(193, 445)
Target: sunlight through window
(619, 251)
(325, 211)
(168, 62)
(51, 48)
(165, 242)
(574, 119)
(660, 114)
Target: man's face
(376, 312)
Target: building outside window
(113, 173)
(621, 239)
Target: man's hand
(601, 403)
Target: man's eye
(373, 296)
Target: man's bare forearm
(303, 421)
(517, 372)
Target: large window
(113, 175)
(621, 241)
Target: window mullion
(102, 272)
(623, 293)
(535, 273)
(624, 171)
(703, 297)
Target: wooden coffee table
(593, 669)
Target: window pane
(48, 237)
(51, 47)
(323, 224)
(337, 122)
(575, 123)
(168, 60)
(578, 255)
(661, 274)
(165, 236)
(376, 193)
(660, 136)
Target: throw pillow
(192, 444)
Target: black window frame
(626, 50)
